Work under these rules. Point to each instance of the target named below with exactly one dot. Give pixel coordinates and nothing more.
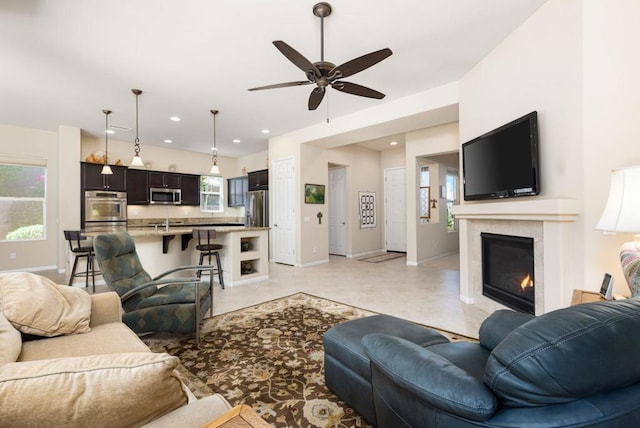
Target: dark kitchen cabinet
(93, 179)
(164, 180)
(259, 180)
(190, 189)
(137, 187)
(237, 188)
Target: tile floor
(426, 294)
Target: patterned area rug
(270, 357)
(382, 257)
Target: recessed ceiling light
(236, 141)
(109, 131)
(175, 119)
(168, 141)
(265, 131)
(394, 143)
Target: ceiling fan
(324, 73)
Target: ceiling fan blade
(316, 97)
(282, 85)
(355, 89)
(356, 65)
(300, 61)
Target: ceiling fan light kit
(324, 73)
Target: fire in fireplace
(507, 271)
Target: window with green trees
(22, 201)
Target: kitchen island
(244, 257)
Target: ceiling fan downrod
(322, 10)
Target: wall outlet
(12, 256)
(314, 250)
(307, 219)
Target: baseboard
(366, 253)
(33, 269)
(430, 259)
(317, 262)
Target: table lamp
(622, 214)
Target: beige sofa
(104, 377)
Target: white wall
(611, 126)
(538, 67)
(425, 241)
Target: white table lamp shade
(622, 212)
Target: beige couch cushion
(10, 342)
(115, 390)
(109, 338)
(36, 305)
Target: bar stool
(82, 248)
(208, 248)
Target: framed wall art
(367, 204)
(314, 193)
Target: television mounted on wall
(503, 163)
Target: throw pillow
(112, 390)
(10, 340)
(36, 305)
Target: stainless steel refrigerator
(256, 208)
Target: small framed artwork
(314, 193)
(367, 203)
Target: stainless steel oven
(105, 210)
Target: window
(452, 197)
(22, 201)
(211, 197)
(425, 195)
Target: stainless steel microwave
(160, 195)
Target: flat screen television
(502, 163)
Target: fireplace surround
(551, 222)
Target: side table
(583, 296)
(241, 416)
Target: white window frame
(205, 193)
(27, 163)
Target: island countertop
(177, 230)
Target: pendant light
(137, 160)
(106, 169)
(214, 155)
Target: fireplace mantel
(550, 221)
(529, 209)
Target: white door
(337, 212)
(395, 182)
(283, 201)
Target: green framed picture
(314, 193)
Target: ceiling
(63, 61)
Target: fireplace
(507, 271)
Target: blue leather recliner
(574, 367)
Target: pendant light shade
(137, 160)
(214, 155)
(106, 169)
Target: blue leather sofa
(574, 367)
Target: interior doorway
(395, 209)
(284, 211)
(337, 211)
